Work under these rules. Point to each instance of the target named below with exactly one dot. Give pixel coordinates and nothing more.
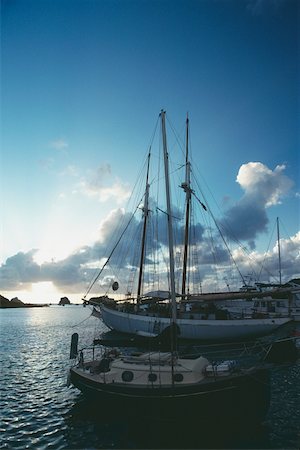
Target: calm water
(39, 411)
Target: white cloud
(109, 224)
(103, 186)
(70, 170)
(265, 185)
(59, 144)
(75, 272)
(118, 191)
(265, 266)
(263, 188)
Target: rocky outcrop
(4, 302)
(13, 303)
(64, 301)
(17, 303)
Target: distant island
(64, 301)
(16, 303)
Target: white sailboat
(198, 314)
(164, 385)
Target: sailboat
(198, 314)
(276, 300)
(162, 384)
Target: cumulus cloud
(263, 188)
(74, 273)
(101, 185)
(108, 225)
(265, 266)
(290, 251)
(264, 185)
(19, 270)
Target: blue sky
(82, 85)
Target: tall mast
(169, 215)
(279, 254)
(145, 214)
(186, 186)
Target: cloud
(263, 184)
(19, 270)
(265, 266)
(101, 185)
(108, 225)
(71, 171)
(59, 144)
(74, 273)
(263, 188)
(290, 254)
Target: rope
(72, 326)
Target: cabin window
(127, 375)
(152, 377)
(178, 377)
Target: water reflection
(40, 412)
(112, 431)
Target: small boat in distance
(163, 385)
(145, 309)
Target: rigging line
(215, 202)
(232, 236)
(120, 224)
(111, 253)
(77, 324)
(165, 212)
(223, 239)
(287, 236)
(228, 228)
(180, 141)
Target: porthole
(152, 377)
(178, 377)
(127, 376)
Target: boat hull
(231, 397)
(206, 330)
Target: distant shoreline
(29, 305)
(15, 302)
